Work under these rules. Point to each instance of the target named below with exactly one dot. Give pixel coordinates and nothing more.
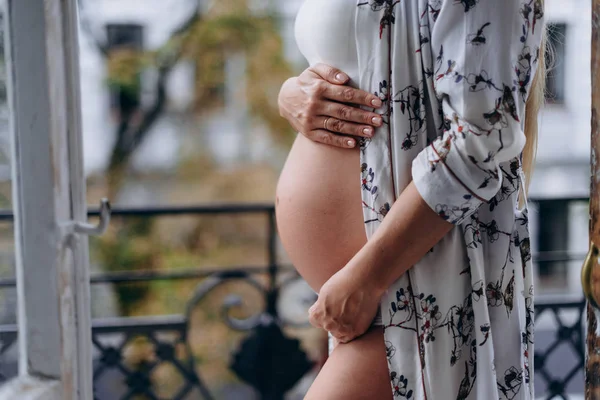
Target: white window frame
(52, 265)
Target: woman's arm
(407, 233)
(348, 301)
(483, 89)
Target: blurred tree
(207, 38)
(131, 248)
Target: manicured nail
(341, 77)
(368, 131)
(376, 102)
(350, 143)
(377, 121)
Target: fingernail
(376, 102)
(341, 77)
(350, 143)
(368, 131)
(377, 121)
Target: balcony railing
(267, 360)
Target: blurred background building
(230, 136)
(563, 169)
(179, 109)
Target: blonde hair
(532, 108)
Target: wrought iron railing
(268, 360)
(559, 356)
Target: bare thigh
(355, 371)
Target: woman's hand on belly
(319, 105)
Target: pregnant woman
(402, 202)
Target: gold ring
(325, 123)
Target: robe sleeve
(485, 57)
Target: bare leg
(355, 371)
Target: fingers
(332, 126)
(343, 333)
(331, 139)
(340, 93)
(343, 339)
(347, 128)
(315, 317)
(329, 73)
(351, 114)
(347, 94)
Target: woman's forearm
(407, 233)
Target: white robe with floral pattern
(454, 77)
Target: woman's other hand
(346, 306)
(320, 105)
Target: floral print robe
(454, 77)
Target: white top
(325, 33)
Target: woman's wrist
(369, 268)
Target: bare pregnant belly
(319, 209)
